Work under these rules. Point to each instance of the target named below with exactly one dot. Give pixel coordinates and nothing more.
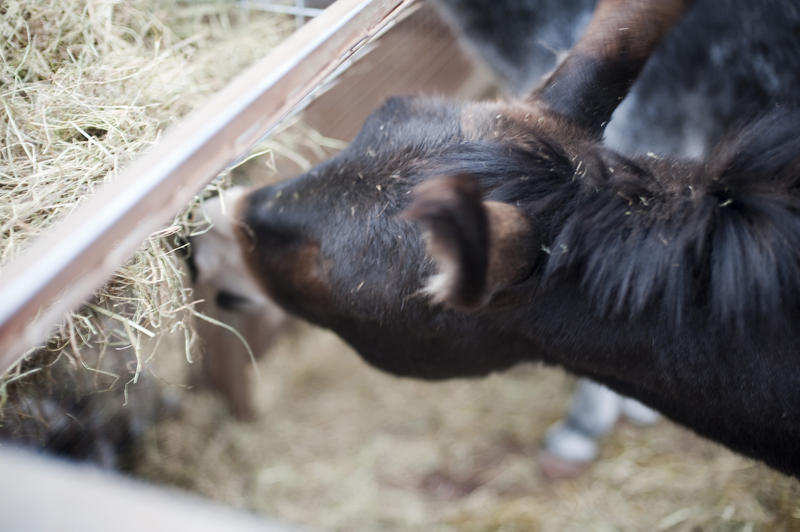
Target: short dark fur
(663, 279)
(656, 234)
(725, 235)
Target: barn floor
(340, 446)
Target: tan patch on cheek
(519, 123)
(510, 245)
(309, 273)
(473, 121)
(300, 271)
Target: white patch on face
(438, 286)
(441, 285)
(217, 252)
(509, 234)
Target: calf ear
(600, 69)
(479, 247)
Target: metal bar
(298, 11)
(299, 20)
(86, 498)
(66, 264)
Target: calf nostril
(272, 224)
(231, 301)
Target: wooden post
(66, 264)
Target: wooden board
(418, 56)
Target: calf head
(422, 241)
(336, 246)
(235, 321)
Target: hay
(85, 86)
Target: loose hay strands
(85, 86)
(119, 216)
(238, 336)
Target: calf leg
(572, 443)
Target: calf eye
(230, 301)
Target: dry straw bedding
(85, 86)
(338, 445)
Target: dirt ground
(340, 446)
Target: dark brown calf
(671, 282)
